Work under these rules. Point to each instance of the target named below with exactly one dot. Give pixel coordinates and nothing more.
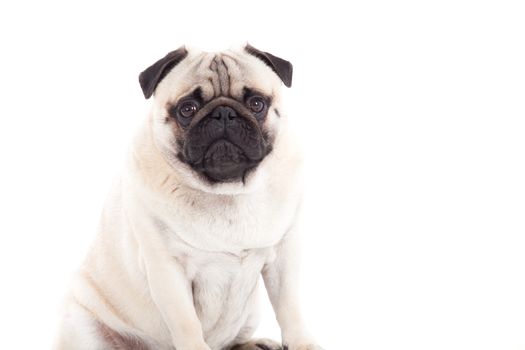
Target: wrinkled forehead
(227, 73)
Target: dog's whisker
(165, 180)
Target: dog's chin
(225, 162)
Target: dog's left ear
(153, 75)
(282, 68)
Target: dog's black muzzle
(224, 141)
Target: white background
(413, 119)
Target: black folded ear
(153, 75)
(282, 68)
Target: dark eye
(256, 104)
(188, 109)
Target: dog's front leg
(281, 281)
(171, 292)
(170, 289)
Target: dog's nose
(224, 113)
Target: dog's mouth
(224, 161)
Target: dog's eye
(188, 109)
(256, 104)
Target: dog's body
(181, 245)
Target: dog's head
(216, 115)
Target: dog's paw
(259, 344)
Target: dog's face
(216, 115)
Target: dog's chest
(224, 288)
(223, 224)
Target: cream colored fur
(176, 261)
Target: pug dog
(208, 201)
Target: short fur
(177, 258)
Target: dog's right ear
(153, 75)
